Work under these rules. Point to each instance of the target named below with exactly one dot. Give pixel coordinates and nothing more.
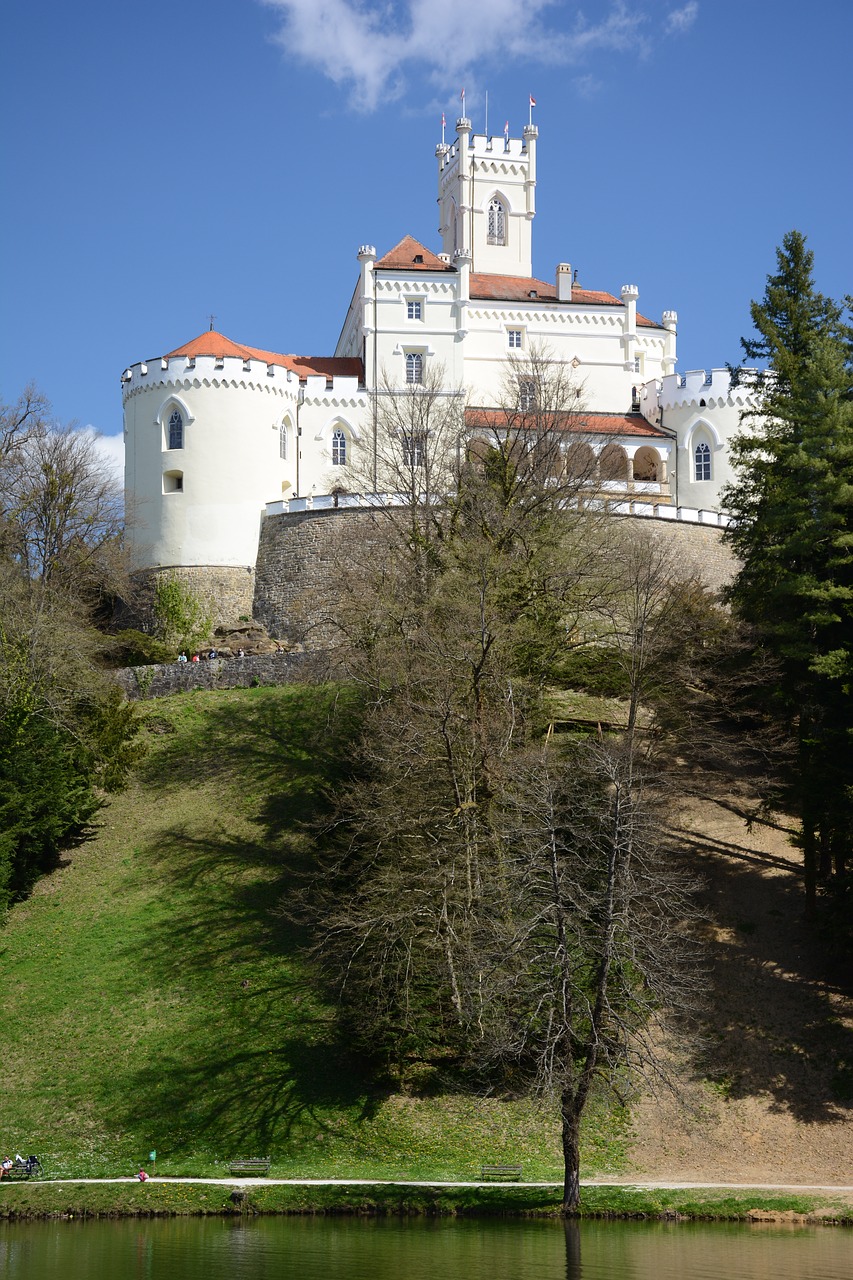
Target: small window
(514, 338)
(173, 482)
(497, 223)
(176, 431)
(282, 441)
(638, 364)
(526, 396)
(702, 456)
(414, 367)
(339, 448)
(413, 451)
(414, 310)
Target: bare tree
(62, 509)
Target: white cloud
(372, 47)
(110, 449)
(679, 20)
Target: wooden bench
(30, 1168)
(508, 1171)
(253, 1167)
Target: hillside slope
(154, 996)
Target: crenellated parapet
(701, 388)
(183, 373)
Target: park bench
(508, 1171)
(253, 1167)
(29, 1168)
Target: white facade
(259, 428)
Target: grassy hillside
(154, 996)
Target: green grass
(154, 995)
(153, 1199)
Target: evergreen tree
(792, 504)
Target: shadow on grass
(253, 1061)
(775, 1029)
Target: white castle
(219, 435)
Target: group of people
(19, 1164)
(202, 657)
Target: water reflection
(394, 1249)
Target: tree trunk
(570, 1117)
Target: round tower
(210, 438)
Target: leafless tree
(62, 511)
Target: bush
(136, 649)
(595, 669)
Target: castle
(221, 437)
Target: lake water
(415, 1249)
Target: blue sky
(168, 161)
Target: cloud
(680, 20)
(372, 48)
(110, 449)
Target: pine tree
(792, 504)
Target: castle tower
(487, 199)
(210, 438)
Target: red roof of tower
(217, 345)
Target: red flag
(506, 129)
(443, 121)
(532, 100)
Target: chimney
(564, 282)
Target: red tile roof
(403, 257)
(519, 289)
(216, 344)
(594, 424)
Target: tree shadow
(776, 1027)
(264, 1066)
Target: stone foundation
(227, 592)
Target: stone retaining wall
(158, 681)
(301, 554)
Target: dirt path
(773, 1100)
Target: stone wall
(157, 681)
(226, 591)
(699, 548)
(300, 555)
(298, 569)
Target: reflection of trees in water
(572, 1230)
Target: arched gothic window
(176, 430)
(339, 448)
(282, 441)
(497, 222)
(702, 460)
(414, 367)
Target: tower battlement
(213, 371)
(691, 388)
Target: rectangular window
(413, 451)
(526, 396)
(638, 364)
(414, 367)
(414, 310)
(514, 338)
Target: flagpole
(487, 115)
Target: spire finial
(212, 318)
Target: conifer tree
(792, 504)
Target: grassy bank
(163, 1198)
(154, 995)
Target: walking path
(788, 1188)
